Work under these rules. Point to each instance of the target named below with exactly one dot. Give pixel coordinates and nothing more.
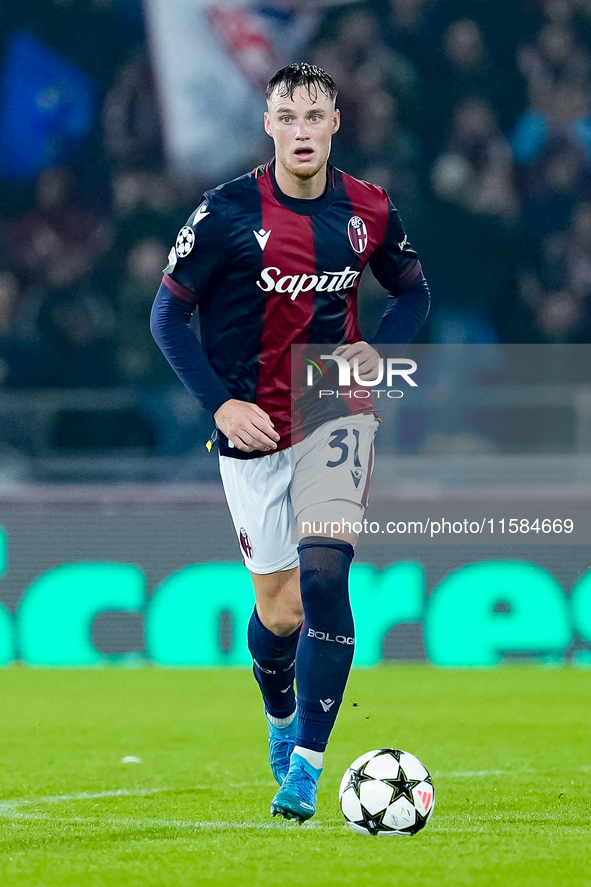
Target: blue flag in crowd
(46, 107)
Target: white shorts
(277, 498)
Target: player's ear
(268, 124)
(336, 121)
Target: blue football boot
(296, 799)
(282, 742)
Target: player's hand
(367, 357)
(246, 426)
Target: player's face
(302, 128)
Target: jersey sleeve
(394, 263)
(405, 314)
(170, 323)
(396, 266)
(198, 252)
(194, 260)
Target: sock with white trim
(274, 668)
(315, 758)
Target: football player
(273, 259)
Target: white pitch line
(193, 825)
(11, 809)
(14, 803)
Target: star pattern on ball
(185, 242)
(355, 779)
(373, 822)
(402, 786)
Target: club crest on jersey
(245, 543)
(357, 231)
(185, 242)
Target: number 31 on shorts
(337, 442)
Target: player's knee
(279, 602)
(284, 624)
(282, 615)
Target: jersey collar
(301, 205)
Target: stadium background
(474, 115)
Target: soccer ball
(387, 792)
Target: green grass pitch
(509, 750)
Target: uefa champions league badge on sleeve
(185, 242)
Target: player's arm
(170, 323)
(244, 424)
(396, 266)
(191, 267)
(400, 323)
(405, 314)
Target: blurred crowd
(474, 115)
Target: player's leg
(325, 651)
(279, 601)
(257, 491)
(323, 661)
(273, 635)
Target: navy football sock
(273, 667)
(325, 650)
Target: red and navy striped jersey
(270, 271)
